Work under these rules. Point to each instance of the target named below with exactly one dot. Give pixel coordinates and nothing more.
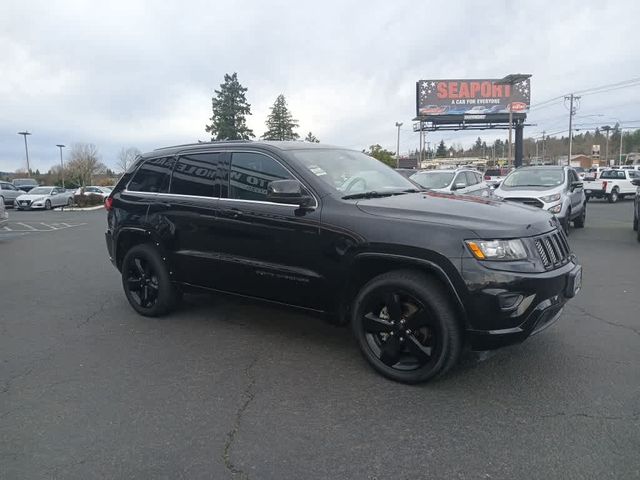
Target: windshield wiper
(376, 194)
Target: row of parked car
(26, 196)
(562, 190)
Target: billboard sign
(471, 100)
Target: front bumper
(495, 322)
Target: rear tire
(146, 282)
(406, 327)
(613, 196)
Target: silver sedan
(45, 198)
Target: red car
(517, 106)
(432, 110)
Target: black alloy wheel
(146, 281)
(47, 205)
(405, 327)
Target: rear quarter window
(153, 176)
(613, 175)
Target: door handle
(236, 213)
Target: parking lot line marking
(6, 229)
(27, 226)
(47, 225)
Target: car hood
(487, 218)
(32, 197)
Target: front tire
(405, 326)
(579, 221)
(146, 282)
(47, 205)
(613, 196)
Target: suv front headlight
(550, 198)
(502, 250)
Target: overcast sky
(128, 73)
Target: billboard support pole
(519, 149)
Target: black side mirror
(636, 182)
(288, 191)
(575, 185)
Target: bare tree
(84, 163)
(126, 157)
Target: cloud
(142, 73)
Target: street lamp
(511, 80)
(398, 124)
(60, 146)
(26, 149)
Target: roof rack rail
(202, 143)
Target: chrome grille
(553, 249)
(532, 202)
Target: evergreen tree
(385, 156)
(230, 108)
(441, 152)
(311, 138)
(280, 123)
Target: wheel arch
(368, 265)
(128, 237)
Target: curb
(78, 209)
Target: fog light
(509, 301)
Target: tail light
(604, 186)
(487, 177)
(108, 203)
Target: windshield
(24, 182)
(351, 172)
(433, 179)
(539, 177)
(40, 191)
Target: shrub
(89, 200)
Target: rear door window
(197, 174)
(153, 176)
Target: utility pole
(607, 129)
(26, 149)
(60, 146)
(537, 158)
(572, 111)
(398, 124)
(544, 145)
(620, 160)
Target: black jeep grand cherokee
(416, 274)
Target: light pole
(26, 149)
(398, 124)
(60, 146)
(511, 80)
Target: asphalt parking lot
(225, 388)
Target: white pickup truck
(612, 185)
